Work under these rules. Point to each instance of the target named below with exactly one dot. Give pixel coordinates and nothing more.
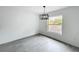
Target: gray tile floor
(37, 43)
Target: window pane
(55, 24)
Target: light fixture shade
(44, 16)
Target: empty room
(39, 28)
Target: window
(55, 24)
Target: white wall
(70, 26)
(16, 23)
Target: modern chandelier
(44, 16)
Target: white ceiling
(39, 9)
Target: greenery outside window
(55, 24)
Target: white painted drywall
(70, 25)
(17, 22)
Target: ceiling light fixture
(44, 16)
